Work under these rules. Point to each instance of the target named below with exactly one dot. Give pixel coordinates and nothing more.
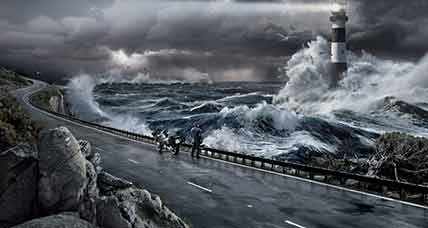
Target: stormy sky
(193, 39)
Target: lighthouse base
(338, 71)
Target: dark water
(236, 116)
(293, 119)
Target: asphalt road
(210, 193)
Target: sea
(297, 116)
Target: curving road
(215, 194)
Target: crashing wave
(80, 91)
(306, 116)
(368, 80)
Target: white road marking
(200, 187)
(231, 163)
(133, 161)
(321, 183)
(294, 224)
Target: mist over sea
(290, 119)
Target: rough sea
(287, 119)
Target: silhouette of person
(196, 133)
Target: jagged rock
(62, 170)
(108, 182)
(88, 206)
(400, 157)
(57, 221)
(110, 214)
(67, 182)
(133, 207)
(18, 181)
(56, 103)
(91, 156)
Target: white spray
(368, 81)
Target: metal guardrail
(379, 186)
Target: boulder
(63, 172)
(133, 207)
(108, 182)
(400, 157)
(56, 103)
(57, 221)
(91, 155)
(87, 208)
(18, 182)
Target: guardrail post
(384, 190)
(235, 159)
(403, 194)
(243, 161)
(272, 167)
(283, 169)
(342, 180)
(311, 175)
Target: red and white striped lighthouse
(338, 40)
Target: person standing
(196, 133)
(163, 140)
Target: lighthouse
(338, 40)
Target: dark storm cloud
(66, 37)
(392, 26)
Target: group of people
(173, 142)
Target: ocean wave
(80, 91)
(368, 80)
(306, 116)
(265, 116)
(206, 107)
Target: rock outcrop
(63, 171)
(52, 98)
(18, 185)
(400, 157)
(108, 182)
(57, 221)
(65, 176)
(56, 104)
(135, 208)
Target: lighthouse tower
(338, 40)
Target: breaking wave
(368, 81)
(80, 91)
(305, 115)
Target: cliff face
(65, 176)
(52, 99)
(18, 185)
(56, 104)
